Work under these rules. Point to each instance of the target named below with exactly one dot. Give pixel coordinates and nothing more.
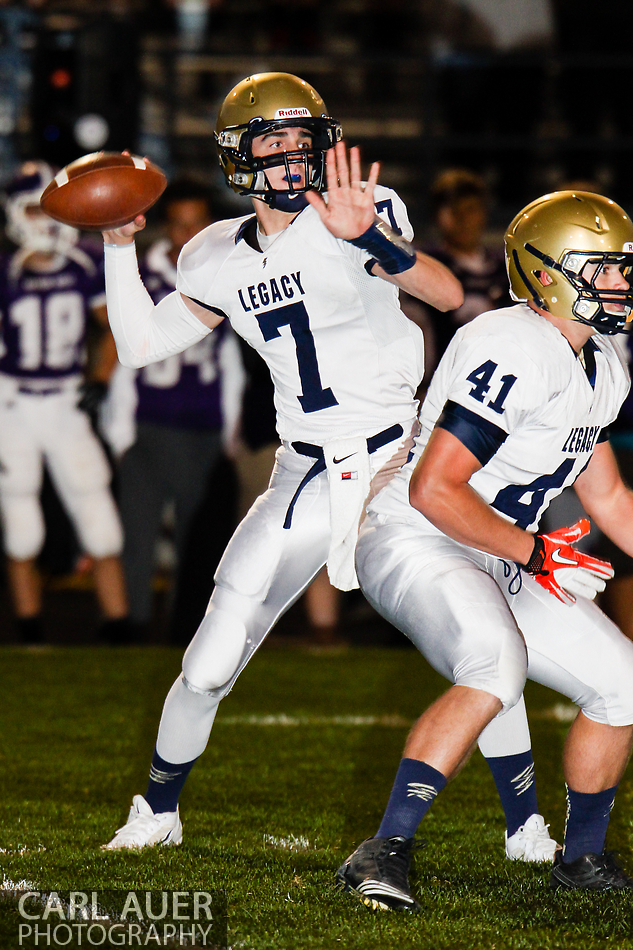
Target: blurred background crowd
(473, 107)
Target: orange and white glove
(564, 571)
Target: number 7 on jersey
(313, 396)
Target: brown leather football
(103, 190)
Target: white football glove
(580, 582)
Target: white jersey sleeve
(493, 380)
(391, 208)
(513, 391)
(202, 259)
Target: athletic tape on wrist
(394, 254)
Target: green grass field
(297, 772)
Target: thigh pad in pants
(449, 606)
(577, 651)
(263, 571)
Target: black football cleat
(378, 871)
(590, 872)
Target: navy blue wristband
(394, 254)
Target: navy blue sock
(514, 778)
(587, 822)
(165, 783)
(415, 787)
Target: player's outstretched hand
(564, 571)
(349, 211)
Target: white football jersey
(512, 389)
(343, 357)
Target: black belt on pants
(374, 442)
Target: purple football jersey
(44, 315)
(182, 391)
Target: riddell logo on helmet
(297, 113)
(627, 247)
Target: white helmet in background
(27, 225)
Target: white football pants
(37, 426)
(455, 604)
(265, 568)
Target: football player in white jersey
(516, 411)
(50, 287)
(313, 286)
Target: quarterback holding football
(313, 287)
(311, 281)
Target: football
(103, 190)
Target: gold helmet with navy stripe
(549, 245)
(263, 103)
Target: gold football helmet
(266, 103)
(550, 243)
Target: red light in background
(60, 78)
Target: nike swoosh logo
(558, 558)
(336, 461)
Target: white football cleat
(531, 842)
(144, 829)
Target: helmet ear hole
(543, 278)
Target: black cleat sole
(590, 872)
(373, 903)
